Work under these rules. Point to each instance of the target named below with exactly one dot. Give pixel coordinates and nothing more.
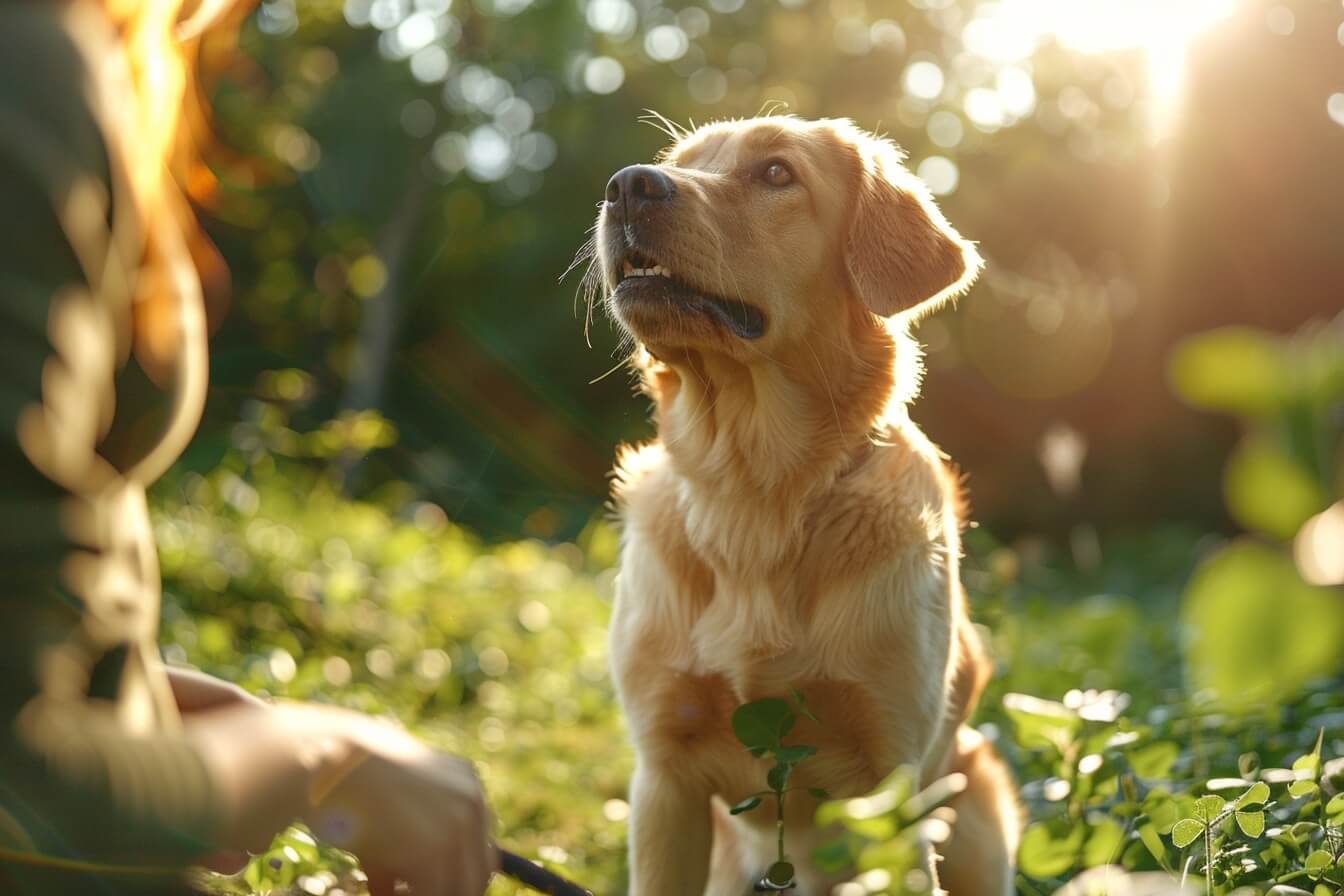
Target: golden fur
(790, 527)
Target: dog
(790, 527)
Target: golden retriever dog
(790, 528)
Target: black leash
(532, 875)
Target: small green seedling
(761, 726)
(1209, 814)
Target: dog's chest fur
(854, 612)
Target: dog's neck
(756, 445)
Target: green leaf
(1336, 805)
(1269, 491)
(1103, 844)
(1162, 811)
(780, 873)
(1153, 841)
(1235, 369)
(761, 723)
(878, 827)
(802, 705)
(833, 855)
(1301, 831)
(778, 777)
(1186, 831)
(1258, 631)
(746, 805)
(1317, 863)
(795, 754)
(890, 855)
(1045, 855)
(1154, 760)
(1255, 795)
(1252, 824)
(1302, 788)
(937, 794)
(819, 792)
(1208, 808)
(1309, 764)
(1041, 723)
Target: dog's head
(750, 236)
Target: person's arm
(195, 691)
(67, 256)
(83, 785)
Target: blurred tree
(414, 177)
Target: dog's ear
(902, 253)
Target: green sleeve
(75, 780)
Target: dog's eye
(777, 174)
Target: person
(116, 773)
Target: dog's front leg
(670, 833)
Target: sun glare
(1163, 29)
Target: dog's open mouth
(642, 279)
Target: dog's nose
(639, 183)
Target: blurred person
(116, 773)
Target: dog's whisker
(587, 251)
(615, 367)
(663, 124)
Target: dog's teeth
(656, 270)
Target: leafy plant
(887, 834)
(1273, 594)
(761, 726)
(1210, 820)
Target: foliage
(1180, 786)
(1167, 710)
(1274, 592)
(885, 835)
(275, 580)
(761, 726)
(405, 182)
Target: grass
(497, 652)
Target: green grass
(498, 652)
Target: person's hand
(411, 815)
(196, 692)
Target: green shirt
(93, 767)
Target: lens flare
(1163, 29)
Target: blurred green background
(394, 500)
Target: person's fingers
(486, 861)
(476, 874)
(459, 877)
(471, 854)
(474, 853)
(454, 859)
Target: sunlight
(1163, 29)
